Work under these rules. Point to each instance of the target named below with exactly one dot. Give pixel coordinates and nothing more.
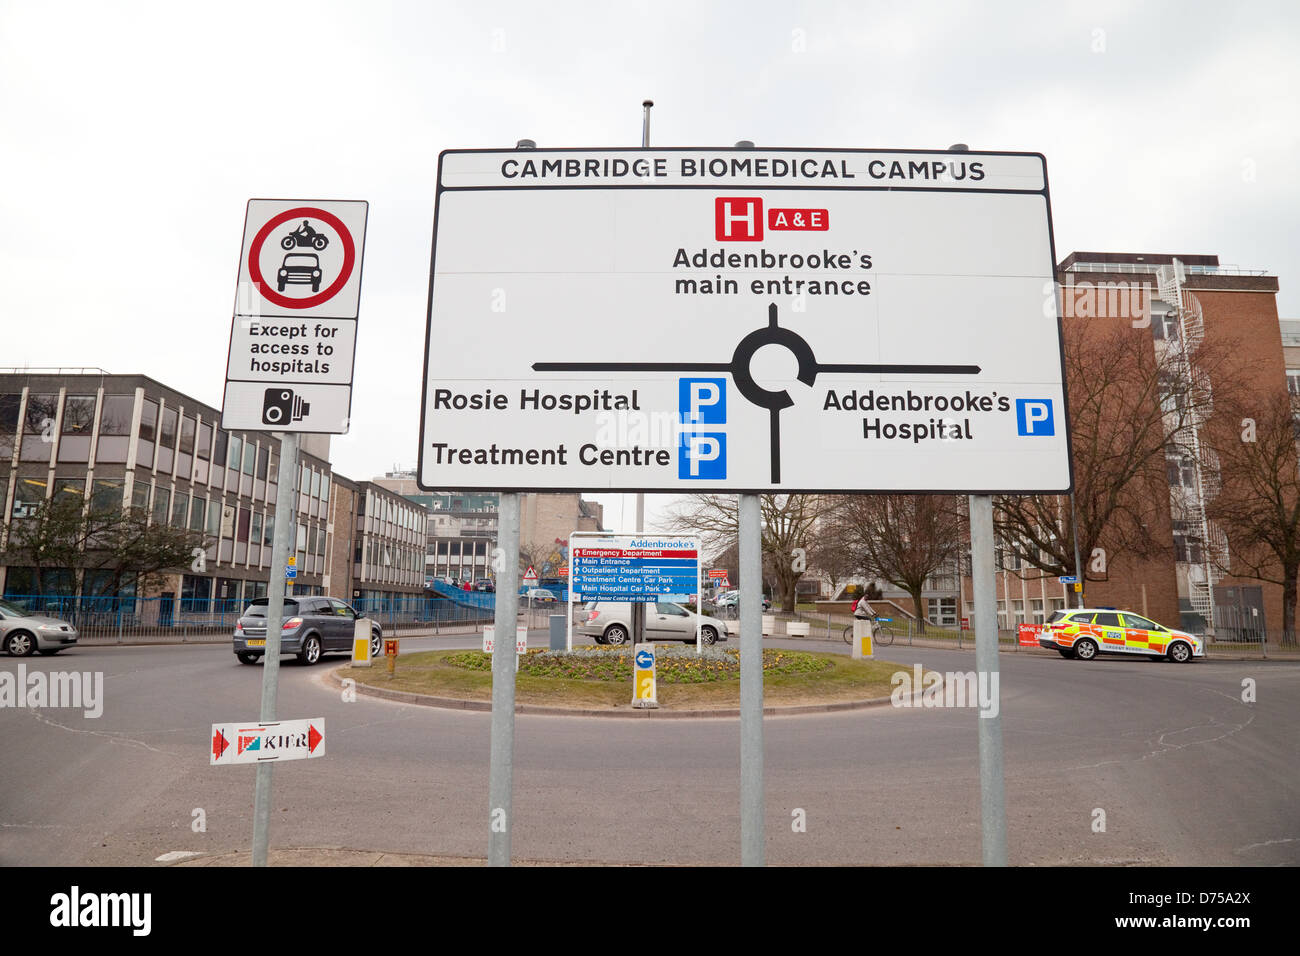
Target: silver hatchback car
(23, 633)
(610, 622)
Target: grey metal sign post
(286, 501)
(752, 803)
(993, 814)
(502, 759)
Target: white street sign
(743, 320)
(293, 337)
(255, 742)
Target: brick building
(1173, 305)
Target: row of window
(1037, 612)
(167, 442)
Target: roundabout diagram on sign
(739, 369)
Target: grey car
(24, 633)
(610, 622)
(310, 627)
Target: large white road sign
(743, 320)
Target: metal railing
(103, 620)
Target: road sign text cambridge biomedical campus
(743, 320)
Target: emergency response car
(1086, 632)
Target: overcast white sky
(132, 135)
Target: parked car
(311, 626)
(610, 622)
(23, 633)
(730, 601)
(539, 596)
(485, 584)
(1084, 633)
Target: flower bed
(674, 665)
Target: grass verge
(430, 672)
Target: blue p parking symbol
(702, 455)
(702, 401)
(1034, 417)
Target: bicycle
(879, 636)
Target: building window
(106, 495)
(78, 423)
(114, 429)
(196, 592)
(1036, 609)
(1293, 381)
(69, 489)
(219, 449)
(1181, 469)
(250, 458)
(161, 505)
(1187, 543)
(180, 508)
(29, 495)
(197, 505)
(38, 429)
(148, 433)
(140, 494)
(167, 441)
(1018, 609)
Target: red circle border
(305, 212)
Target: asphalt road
(1185, 772)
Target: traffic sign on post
(267, 742)
(293, 337)
(911, 293)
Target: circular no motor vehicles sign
(301, 257)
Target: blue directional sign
(1068, 579)
(634, 568)
(290, 573)
(645, 660)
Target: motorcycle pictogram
(305, 236)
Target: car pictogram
(299, 268)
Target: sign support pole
(504, 665)
(992, 795)
(286, 506)
(752, 838)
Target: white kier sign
(255, 742)
(293, 338)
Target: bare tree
(834, 557)
(65, 535)
(1257, 505)
(1130, 404)
(787, 523)
(902, 538)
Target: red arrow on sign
(219, 745)
(314, 737)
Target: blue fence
(214, 619)
(485, 599)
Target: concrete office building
(132, 441)
(462, 528)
